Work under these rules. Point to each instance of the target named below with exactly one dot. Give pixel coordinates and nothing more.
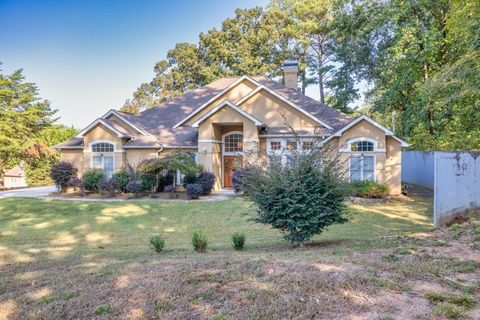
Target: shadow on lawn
(61, 259)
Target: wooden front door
(230, 163)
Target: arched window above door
(233, 143)
(103, 147)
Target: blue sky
(87, 56)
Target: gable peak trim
(203, 106)
(231, 105)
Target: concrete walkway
(33, 192)
(44, 193)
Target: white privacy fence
(453, 176)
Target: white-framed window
(233, 143)
(362, 168)
(362, 146)
(307, 145)
(104, 162)
(101, 157)
(102, 147)
(292, 145)
(275, 145)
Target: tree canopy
(414, 60)
(27, 128)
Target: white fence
(456, 180)
(417, 168)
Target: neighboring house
(232, 117)
(15, 178)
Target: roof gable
(283, 99)
(226, 103)
(372, 122)
(221, 93)
(109, 124)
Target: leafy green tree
(251, 43)
(300, 198)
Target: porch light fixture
(204, 150)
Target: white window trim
(103, 141)
(99, 154)
(283, 144)
(223, 144)
(361, 171)
(348, 147)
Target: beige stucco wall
(233, 95)
(276, 113)
(387, 158)
(130, 129)
(136, 156)
(211, 132)
(75, 157)
(393, 170)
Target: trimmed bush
(75, 182)
(238, 180)
(91, 178)
(170, 188)
(61, 173)
(369, 189)
(238, 240)
(301, 199)
(107, 185)
(122, 178)
(148, 182)
(157, 243)
(194, 190)
(199, 241)
(189, 179)
(207, 181)
(134, 187)
(164, 180)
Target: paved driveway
(34, 192)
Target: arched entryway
(232, 156)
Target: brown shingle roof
(159, 120)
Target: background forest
(411, 65)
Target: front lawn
(63, 259)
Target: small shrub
(369, 189)
(157, 243)
(134, 187)
(169, 188)
(189, 179)
(194, 190)
(199, 241)
(391, 258)
(107, 185)
(102, 309)
(121, 179)
(238, 180)
(148, 182)
(164, 180)
(207, 181)
(91, 178)
(449, 310)
(61, 173)
(238, 240)
(75, 182)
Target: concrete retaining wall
(418, 168)
(457, 184)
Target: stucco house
(231, 117)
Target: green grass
(30, 227)
(127, 224)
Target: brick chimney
(290, 73)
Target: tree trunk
(320, 74)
